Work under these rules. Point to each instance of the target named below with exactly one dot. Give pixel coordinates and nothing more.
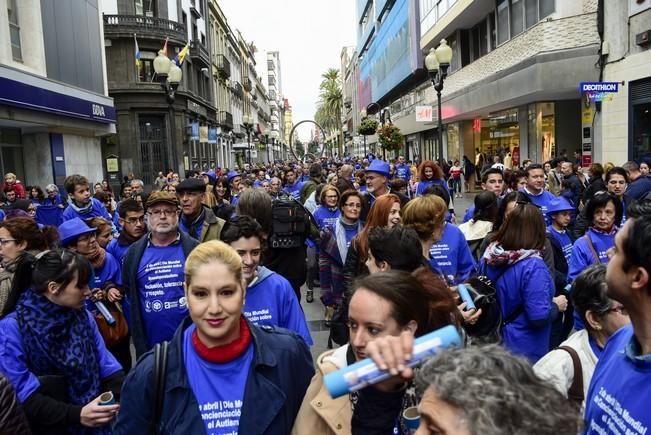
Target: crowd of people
(201, 280)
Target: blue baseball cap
(232, 175)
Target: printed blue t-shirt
(160, 283)
(218, 388)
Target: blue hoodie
(620, 391)
(270, 300)
(94, 208)
(451, 257)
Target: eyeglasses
(618, 309)
(353, 205)
(135, 220)
(87, 237)
(159, 213)
(5, 241)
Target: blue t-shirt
(451, 257)
(582, 256)
(110, 271)
(620, 391)
(403, 171)
(294, 190)
(117, 250)
(563, 239)
(218, 388)
(424, 184)
(351, 232)
(160, 284)
(271, 300)
(543, 200)
(325, 217)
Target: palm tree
(330, 105)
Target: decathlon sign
(599, 87)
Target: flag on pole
(137, 51)
(165, 47)
(178, 60)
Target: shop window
(145, 7)
(146, 70)
(641, 121)
(517, 17)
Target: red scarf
(227, 352)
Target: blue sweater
(424, 184)
(620, 391)
(13, 362)
(451, 257)
(529, 284)
(271, 301)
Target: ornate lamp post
(437, 63)
(247, 121)
(169, 75)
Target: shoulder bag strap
(575, 393)
(592, 249)
(160, 369)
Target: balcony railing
(199, 52)
(144, 27)
(237, 89)
(223, 66)
(225, 119)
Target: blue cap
(232, 175)
(380, 167)
(70, 230)
(559, 204)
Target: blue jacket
(130, 283)
(527, 283)
(639, 187)
(582, 257)
(542, 200)
(93, 209)
(278, 378)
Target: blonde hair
(424, 214)
(214, 250)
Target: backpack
(483, 292)
(290, 223)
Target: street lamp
(266, 142)
(364, 115)
(274, 138)
(247, 121)
(437, 63)
(169, 74)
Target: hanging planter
(367, 127)
(390, 137)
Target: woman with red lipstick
(382, 304)
(224, 374)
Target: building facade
(54, 108)
(153, 133)
(624, 120)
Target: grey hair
(497, 392)
(589, 293)
(140, 182)
(257, 204)
(52, 187)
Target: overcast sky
(309, 34)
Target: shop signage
(17, 94)
(424, 113)
(196, 108)
(599, 91)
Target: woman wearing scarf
(224, 374)
(335, 242)
(19, 236)
(525, 288)
(106, 282)
(605, 211)
(52, 352)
